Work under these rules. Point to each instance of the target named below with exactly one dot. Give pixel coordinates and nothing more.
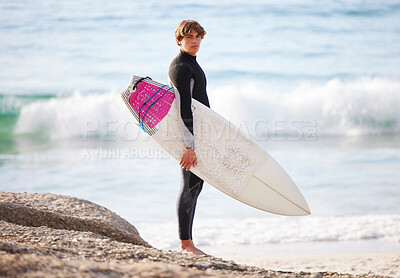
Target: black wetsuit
(189, 80)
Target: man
(189, 81)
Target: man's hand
(188, 158)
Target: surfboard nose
(273, 190)
(261, 195)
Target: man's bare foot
(187, 246)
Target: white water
(368, 106)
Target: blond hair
(185, 26)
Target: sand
(385, 263)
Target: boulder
(68, 213)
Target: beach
(50, 242)
(372, 263)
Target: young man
(189, 81)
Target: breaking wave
(367, 106)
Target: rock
(64, 212)
(26, 265)
(316, 275)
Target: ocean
(316, 84)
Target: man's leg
(191, 186)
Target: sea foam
(367, 106)
(281, 230)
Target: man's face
(191, 42)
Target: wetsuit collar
(187, 55)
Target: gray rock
(68, 213)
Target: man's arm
(180, 77)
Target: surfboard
(226, 157)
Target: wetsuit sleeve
(180, 77)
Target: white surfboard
(227, 158)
